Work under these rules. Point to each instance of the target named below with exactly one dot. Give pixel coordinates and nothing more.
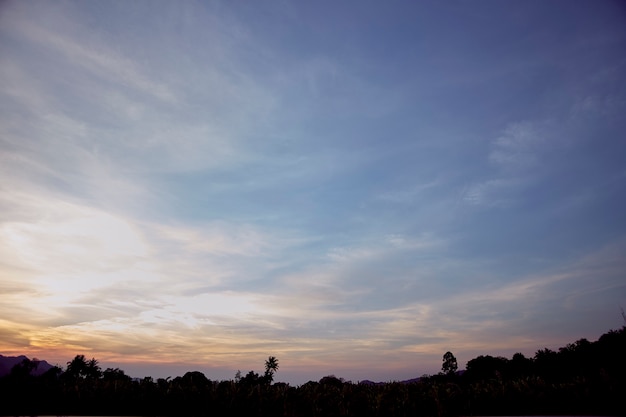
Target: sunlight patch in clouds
(69, 238)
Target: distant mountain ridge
(407, 381)
(8, 362)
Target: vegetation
(581, 378)
(450, 365)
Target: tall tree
(449, 363)
(271, 366)
(80, 368)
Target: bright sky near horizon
(354, 187)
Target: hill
(8, 362)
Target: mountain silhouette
(8, 362)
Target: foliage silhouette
(271, 366)
(450, 365)
(580, 378)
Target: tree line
(580, 378)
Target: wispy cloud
(409, 195)
(518, 146)
(96, 58)
(492, 193)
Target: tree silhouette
(23, 369)
(487, 367)
(250, 379)
(93, 370)
(271, 366)
(77, 367)
(449, 364)
(113, 374)
(519, 366)
(80, 368)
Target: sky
(353, 187)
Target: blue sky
(353, 187)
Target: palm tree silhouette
(271, 366)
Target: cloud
(410, 194)
(492, 193)
(521, 154)
(102, 107)
(93, 57)
(70, 238)
(520, 308)
(308, 317)
(518, 146)
(89, 278)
